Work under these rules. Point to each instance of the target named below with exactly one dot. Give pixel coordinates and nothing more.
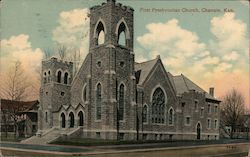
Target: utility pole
(142, 113)
(117, 114)
(137, 124)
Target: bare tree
(47, 53)
(16, 84)
(232, 109)
(15, 89)
(75, 57)
(62, 51)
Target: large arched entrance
(63, 120)
(81, 119)
(72, 120)
(198, 131)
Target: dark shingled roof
(180, 83)
(183, 84)
(19, 106)
(143, 69)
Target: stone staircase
(50, 135)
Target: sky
(210, 48)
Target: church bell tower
(112, 68)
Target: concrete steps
(49, 136)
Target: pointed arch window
(72, 120)
(85, 93)
(66, 75)
(121, 103)
(98, 101)
(100, 33)
(59, 75)
(81, 118)
(121, 34)
(63, 120)
(158, 106)
(171, 117)
(145, 114)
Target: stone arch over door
(198, 131)
(71, 120)
(81, 118)
(63, 120)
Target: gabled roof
(183, 84)
(19, 106)
(180, 83)
(170, 76)
(67, 107)
(142, 70)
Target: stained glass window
(158, 106)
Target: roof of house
(19, 106)
(184, 84)
(143, 70)
(180, 83)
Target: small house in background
(242, 131)
(23, 114)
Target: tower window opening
(122, 64)
(48, 76)
(100, 34)
(99, 64)
(121, 35)
(59, 74)
(62, 93)
(66, 75)
(45, 77)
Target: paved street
(139, 150)
(239, 154)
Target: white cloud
(170, 38)
(231, 56)
(140, 55)
(18, 48)
(230, 33)
(215, 63)
(72, 30)
(203, 54)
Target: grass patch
(11, 138)
(162, 143)
(99, 142)
(12, 153)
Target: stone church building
(113, 97)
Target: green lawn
(11, 138)
(163, 143)
(191, 152)
(26, 154)
(99, 142)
